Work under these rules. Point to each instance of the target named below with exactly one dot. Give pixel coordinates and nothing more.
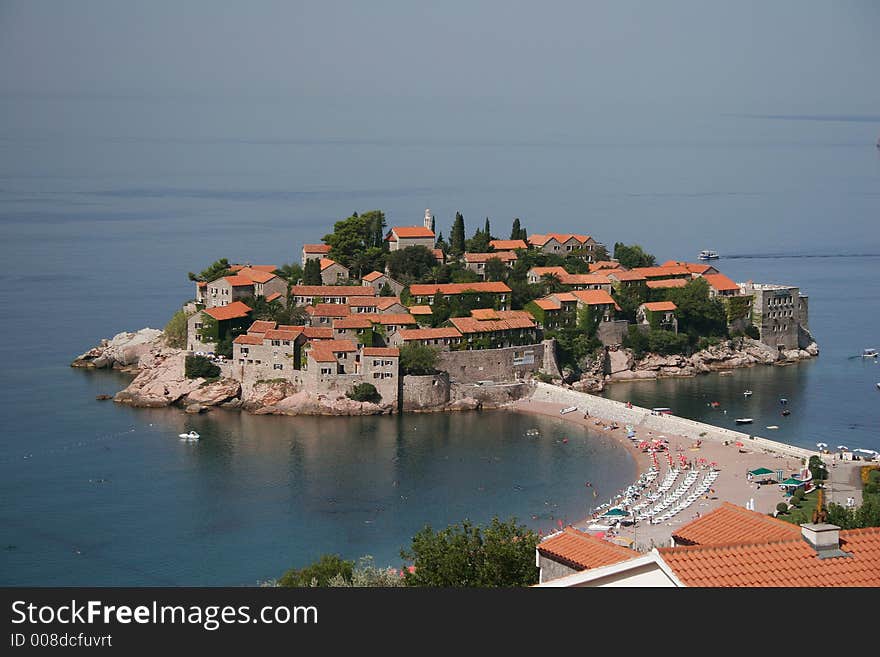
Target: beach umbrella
(842, 447)
(821, 444)
(864, 451)
(739, 444)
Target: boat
(747, 393)
(869, 353)
(786, 412)
(772, 426)
(708, 254)
(661, 410)
(744, 420)
(192, 435)
(878, 385)
(783, 401)
(570, 409)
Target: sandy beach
(733, 463)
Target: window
(250, 362)
(258, 362)
(277, 366)
(199, 337)
(377, 375)
(276, 343)
(326, 370)
(245, 350)
(198, 325)
(376, 363)
(241, 361)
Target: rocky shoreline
(159, 379)
(728, 355)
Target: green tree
(462, 275)
(479, 243)
(457, 238)
(367, 574)
(312, 272)
(495, 270)
(467, 555)
(175, 330)
(629, 298)
(697, 313)
(433, 224)
(364, 392)
(195, 367)
(411, 264)
(291, 273)
(550, 283)
(487, 230)
(356, 235)
(600, 253)
(217, 269)
(517, 232)
(319, 573)
(633, 256)
(385, 290)
(418, 359)
(441, 243)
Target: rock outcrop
(162, 384)
(304, 403)
(215, 393)
(123, 350)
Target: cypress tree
(457, 238)
(514, 232)
(487, 231)
(312, 272)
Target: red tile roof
(261, 326)
(586, 279)
(564, 296)
(332, 291)
(503, 256)
(318, 332)
(594, 297)
(382, 351)
(328, 310)
(622, 275)
(693, 267)
(457, 288)
(265, 268)
(485, 313)
(316, 248)
(662, 272)
(328, 262)
(389, 318)
(562, 238)
(337, 345)
(659, 306)
(352, 322)
(784, 563)
(248, 339)
(721, 282)
(281, 335)
(729, 524)
(420, 310)
(548, 303)
(256, 275)
(438, 254)
(579, 550)
(507, 320)
(382, 303)
(605, 264)
(372, 276)
(410, 231)
(238, 281)
(429, 333)
(234, 310)
(538, 272)
(290, 327)
(365, 302)
(665, 283)
(508, 245)
(273, 296)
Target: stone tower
(428, 218)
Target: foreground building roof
(578, 549)
(234, 310)
(730, 524)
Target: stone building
(302, 295)
(508, 245)
(333, 273)
(401, 237)
(598, 301)
(314, 252)
(205, 328)
(780, 313)
(225, 290)
(564, 243)
(376, 280)
(572, 551)
(479, 295)
(440, 338)
(658, 315)
(555, 311)
(493, 329)
(597, 281)
(476, 262)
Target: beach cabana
(789, 485)
(614, 514)
(763, 474)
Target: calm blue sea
(106, 204)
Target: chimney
(823, 538)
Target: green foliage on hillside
(364, 392)
(411, 264)
(312, 272)
(633, 256)
(698, 315)
(358, 242)
(215, 270)
(175, 330)
(418, 359)
(319, 573)
(501, 554)
(199, 367)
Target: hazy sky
(743, 56)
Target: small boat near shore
(744, 420)
(772, 426)
(869, 353)
(191, 436)
(570, 409)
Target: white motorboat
(772, 426)
(747, 393)
(192, 435)
(744, 420)
(869, 353)
(708, 254)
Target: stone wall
(423, 392)
(551, 569)
(611, 333)
(618, 412)
(491, 395)
(505, 364)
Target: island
(379, 319)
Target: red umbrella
(739, 444)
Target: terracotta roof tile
(273, 296)
(391, 352)
(316, 248)
(594, 297)
(382, 303)
(457, 288)
(659, 306)
(389, 318)
(261, 326)
(364, 302)
(256, 275)
(372, 276)
(622, 275)
(429, 333)
(352, 322)
(485, 313)
(318, 332)
(508, 245)
(281, 335)
(332, 291)
(605, 264)
(662, 272)
(580, 550)
(507, 320)
(665, 283)
(420, 310)
(234, 310)
(410, 231)
(730, 523)
(328, 310)
(248, 339)
(238, 281)
(721, 282)
(784, 563)
(548, 303)
(503, 256)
